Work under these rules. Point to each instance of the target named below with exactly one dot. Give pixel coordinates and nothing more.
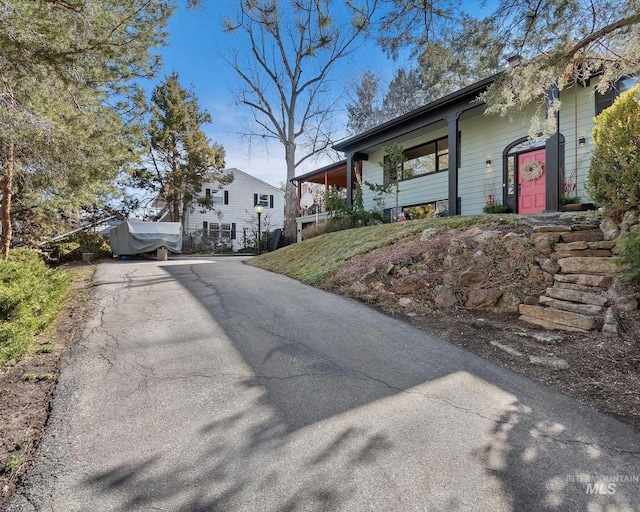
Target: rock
(482, 298)
(450, 278)
(605, 244)
(585, 280)
(629, 219)
(583, 309)
(469, 278)
(551, 229)
(389, 268)
(554, 237)
(542, 337)
(509, 302)
(544, 245)
(549, 265)
(405, 301)
(592, 235)
(625, 304)
(581, 297)
(552, 362)
(549, 325)
(488, 237)
(573, 246)
(557, 316)
(409, 285)
(444, 296)
(413, 313)
(427, 234)
(589, 266)
(507, 349)
(610, 325)
(481, 260)
(370, 272)
(578, 287)
(403, 271)
(586, 253)
(359, 287)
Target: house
(458, 159)
(232, 223)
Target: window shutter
(207, 193)
(226, 197)
(255, 199)
(205, 225)
(233, 231)
(271, 201)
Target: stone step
(578, 287)
(582, 309)
(582, 253)
(585, 280)
(576, 265)
(589, 235)
(559, 317)
(596, 299)
(550, 325)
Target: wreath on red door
(531, 171)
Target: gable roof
(258, 181)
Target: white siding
(240, 208)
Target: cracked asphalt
(203, 384)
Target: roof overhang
(456, 102)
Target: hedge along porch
(458, 155)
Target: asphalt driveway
(205, 384)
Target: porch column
(349, 179)
(326, 191)
(452, 124)
(299, 192)
(553, 156)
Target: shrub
(630, 256)
(31, 297)
(495, 208)
(312, 230)
(614, 175)
(72, 248)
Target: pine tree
(182, 156)
(61, 141)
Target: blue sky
(194, 50)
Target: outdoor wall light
(582, 142)
(488, 162)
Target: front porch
(312, 188)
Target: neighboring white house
(233, 221)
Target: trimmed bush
(31, 298)
(614, 175)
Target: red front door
(532, 193)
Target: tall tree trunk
(290, 197)
(5, 206)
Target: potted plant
(492, 207)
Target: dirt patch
(26, 389)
